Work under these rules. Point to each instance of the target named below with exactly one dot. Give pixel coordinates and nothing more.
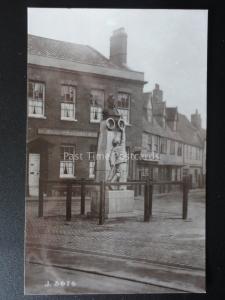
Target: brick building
(68, 85)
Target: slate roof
(68, 51)
(188, 132)
(156, 129)
(185, 133)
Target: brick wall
(53, 79)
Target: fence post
(102, 203)
(146, 202)
(150, 197)
(185, 197)
(68, 201)
(41, 199)
(82, 195)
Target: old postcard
(116, 151)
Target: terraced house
(172, 146)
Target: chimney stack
(157, 94)
(196, 120)
(118, 47)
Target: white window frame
(67, 103)
(33, 99)
(68, 163)
(96, 108)
(123, 109)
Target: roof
(156, 129)
(188, 132)
(46, 47)
(202, 134)
(171, 113)
(158, 108)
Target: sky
(169, 46)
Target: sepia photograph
(115, 151)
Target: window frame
(31, 115)
(64, 101)
(172, 147)
(127, 122)
(163, 145)
(97, 106)
(150, 148)
(67, 160)
(92, 160)
(179, 149)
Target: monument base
(118, 203)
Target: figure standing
(118, 160)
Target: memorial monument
(111, 164)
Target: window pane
(36, 98)
(92, 169)
(67, 163)
(68, 93)
(97, 104)
(68, 110)
(123, 100)
(96, 114)
(123, 106)
(124, 114)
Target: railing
(148, 195)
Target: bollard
(68, 201)
(146, 203)
(82, 203)
(185, 198)
(150, 197)
(41, 199)
(102, 203)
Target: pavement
(126, 255)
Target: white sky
(169, 46)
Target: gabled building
(172, 146)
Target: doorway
(34, 173)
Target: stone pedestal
(118, 203)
